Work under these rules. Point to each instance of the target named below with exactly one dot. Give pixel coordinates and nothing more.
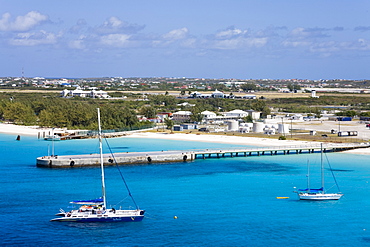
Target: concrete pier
(183, 156)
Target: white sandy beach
(22, 130)
(262, 142)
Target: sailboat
(320, 193)
(96, 210)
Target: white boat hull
(319, 196)
(108, 216)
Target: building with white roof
(181, 116)
(78, 92)
(208, 114)
(236, 114)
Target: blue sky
(239, 39)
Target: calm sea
(218, 202)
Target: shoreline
(236, 140)
(254, 141)
(6, 128)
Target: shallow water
(218, 202)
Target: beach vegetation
(18, 113)
(350, 113)
(248, 119)
(196, 115)
(148, 111)
(76, 113)
(169, 123)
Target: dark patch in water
(266, 167)
(366, 239)
(340, 170)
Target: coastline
(21, 130)
(255, 141)
(238, 140)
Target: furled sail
(93, 201)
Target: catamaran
(96, 210)
(320, 193)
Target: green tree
(169, 123)
(349, 113)
(19, 113)
(196, 115)
(148, 111)
(293, 87)
(248, 119)
(248, 87)
(260, 105)
(220, 87)
(317, 112)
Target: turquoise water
(218, 202)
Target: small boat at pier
(52, 138)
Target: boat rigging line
(120, 172)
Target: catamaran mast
(101, 162)
(308, 175)
(322, 170)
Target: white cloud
(78, 44)
(229, 33)
(305, 33)
(189, 43)
(176, 34)
(363, 44)
(35, 38)
(290, 43)
(240, 43)
(22, 23)
(114, 25)
(80, 25)
(115, 40)
(114, 22)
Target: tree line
(51, 111)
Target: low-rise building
(181, 116)
(78, 92)
(236, 114)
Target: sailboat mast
(308, 175)
(101, 161)
(322, 169)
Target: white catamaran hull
(319, 196)
(113, 216)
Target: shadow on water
(120, 147)
(340, 170)
(366, 239)
(199, 169)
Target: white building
(181, 116)
(313, 94)
(186, 104)
(236, 114)
(99, 94)
(78, 92)
(249, 96)
(218, 94)
(215, 94)
(208, 114)
(254, 114)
